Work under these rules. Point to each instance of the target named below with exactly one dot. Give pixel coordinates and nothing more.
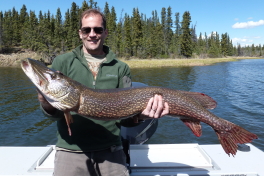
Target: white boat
(147, 160)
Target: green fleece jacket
(89, 134)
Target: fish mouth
(35, 72)
(26, 66)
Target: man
(95, 147)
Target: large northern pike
(68, 95)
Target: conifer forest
(164, 35)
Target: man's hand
(156, 108)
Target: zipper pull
(94, 84)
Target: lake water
(238, 88)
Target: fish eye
(53, 76)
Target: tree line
(135, 36)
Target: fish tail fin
(194, 125)
(231, 137)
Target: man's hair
(89, 12)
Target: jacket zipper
(98, 74)
(94, 84)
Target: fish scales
(67, 95)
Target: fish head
(58, 89)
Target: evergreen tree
(1, 32)
(239, 50)
(118, 38)
(52, 28)
(48, 24)
(217, 41)
(145, 40)
(159, 40)
(206, 42)
(156, 36)
(41, 17)
(16, 37)
(186, 37)
(30, 36)
(230, 47)
(67, 31)
(23, 18)
(58, 32)
(7, 29)
(84, 7)
(153, 35)
(112, 30)
(201, 46)
(224, 44)
(260, 50)
(41, 33)
(74, 25)
(136, 32)
(107, 16)
(218, 44)
(194, 37)
(163, 24)
(93, 5)
(23, 14)
(126, 47)
(214, 45)
(175, 44)
(168, 30)
(253, 50)
(43, 38)
(234, 51)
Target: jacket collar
(110, 56)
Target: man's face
(93, 41)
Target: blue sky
(243, 20)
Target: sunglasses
(87, 30)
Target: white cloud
(249, 24)
(236, 19)
(242, 40)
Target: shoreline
(154, 63)
(14, 60)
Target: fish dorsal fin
(205, 100)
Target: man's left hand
(156, 108)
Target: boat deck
(147, 160)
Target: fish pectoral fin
(205, 100)
(194, 125)
(69, 120)
(230, 137)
